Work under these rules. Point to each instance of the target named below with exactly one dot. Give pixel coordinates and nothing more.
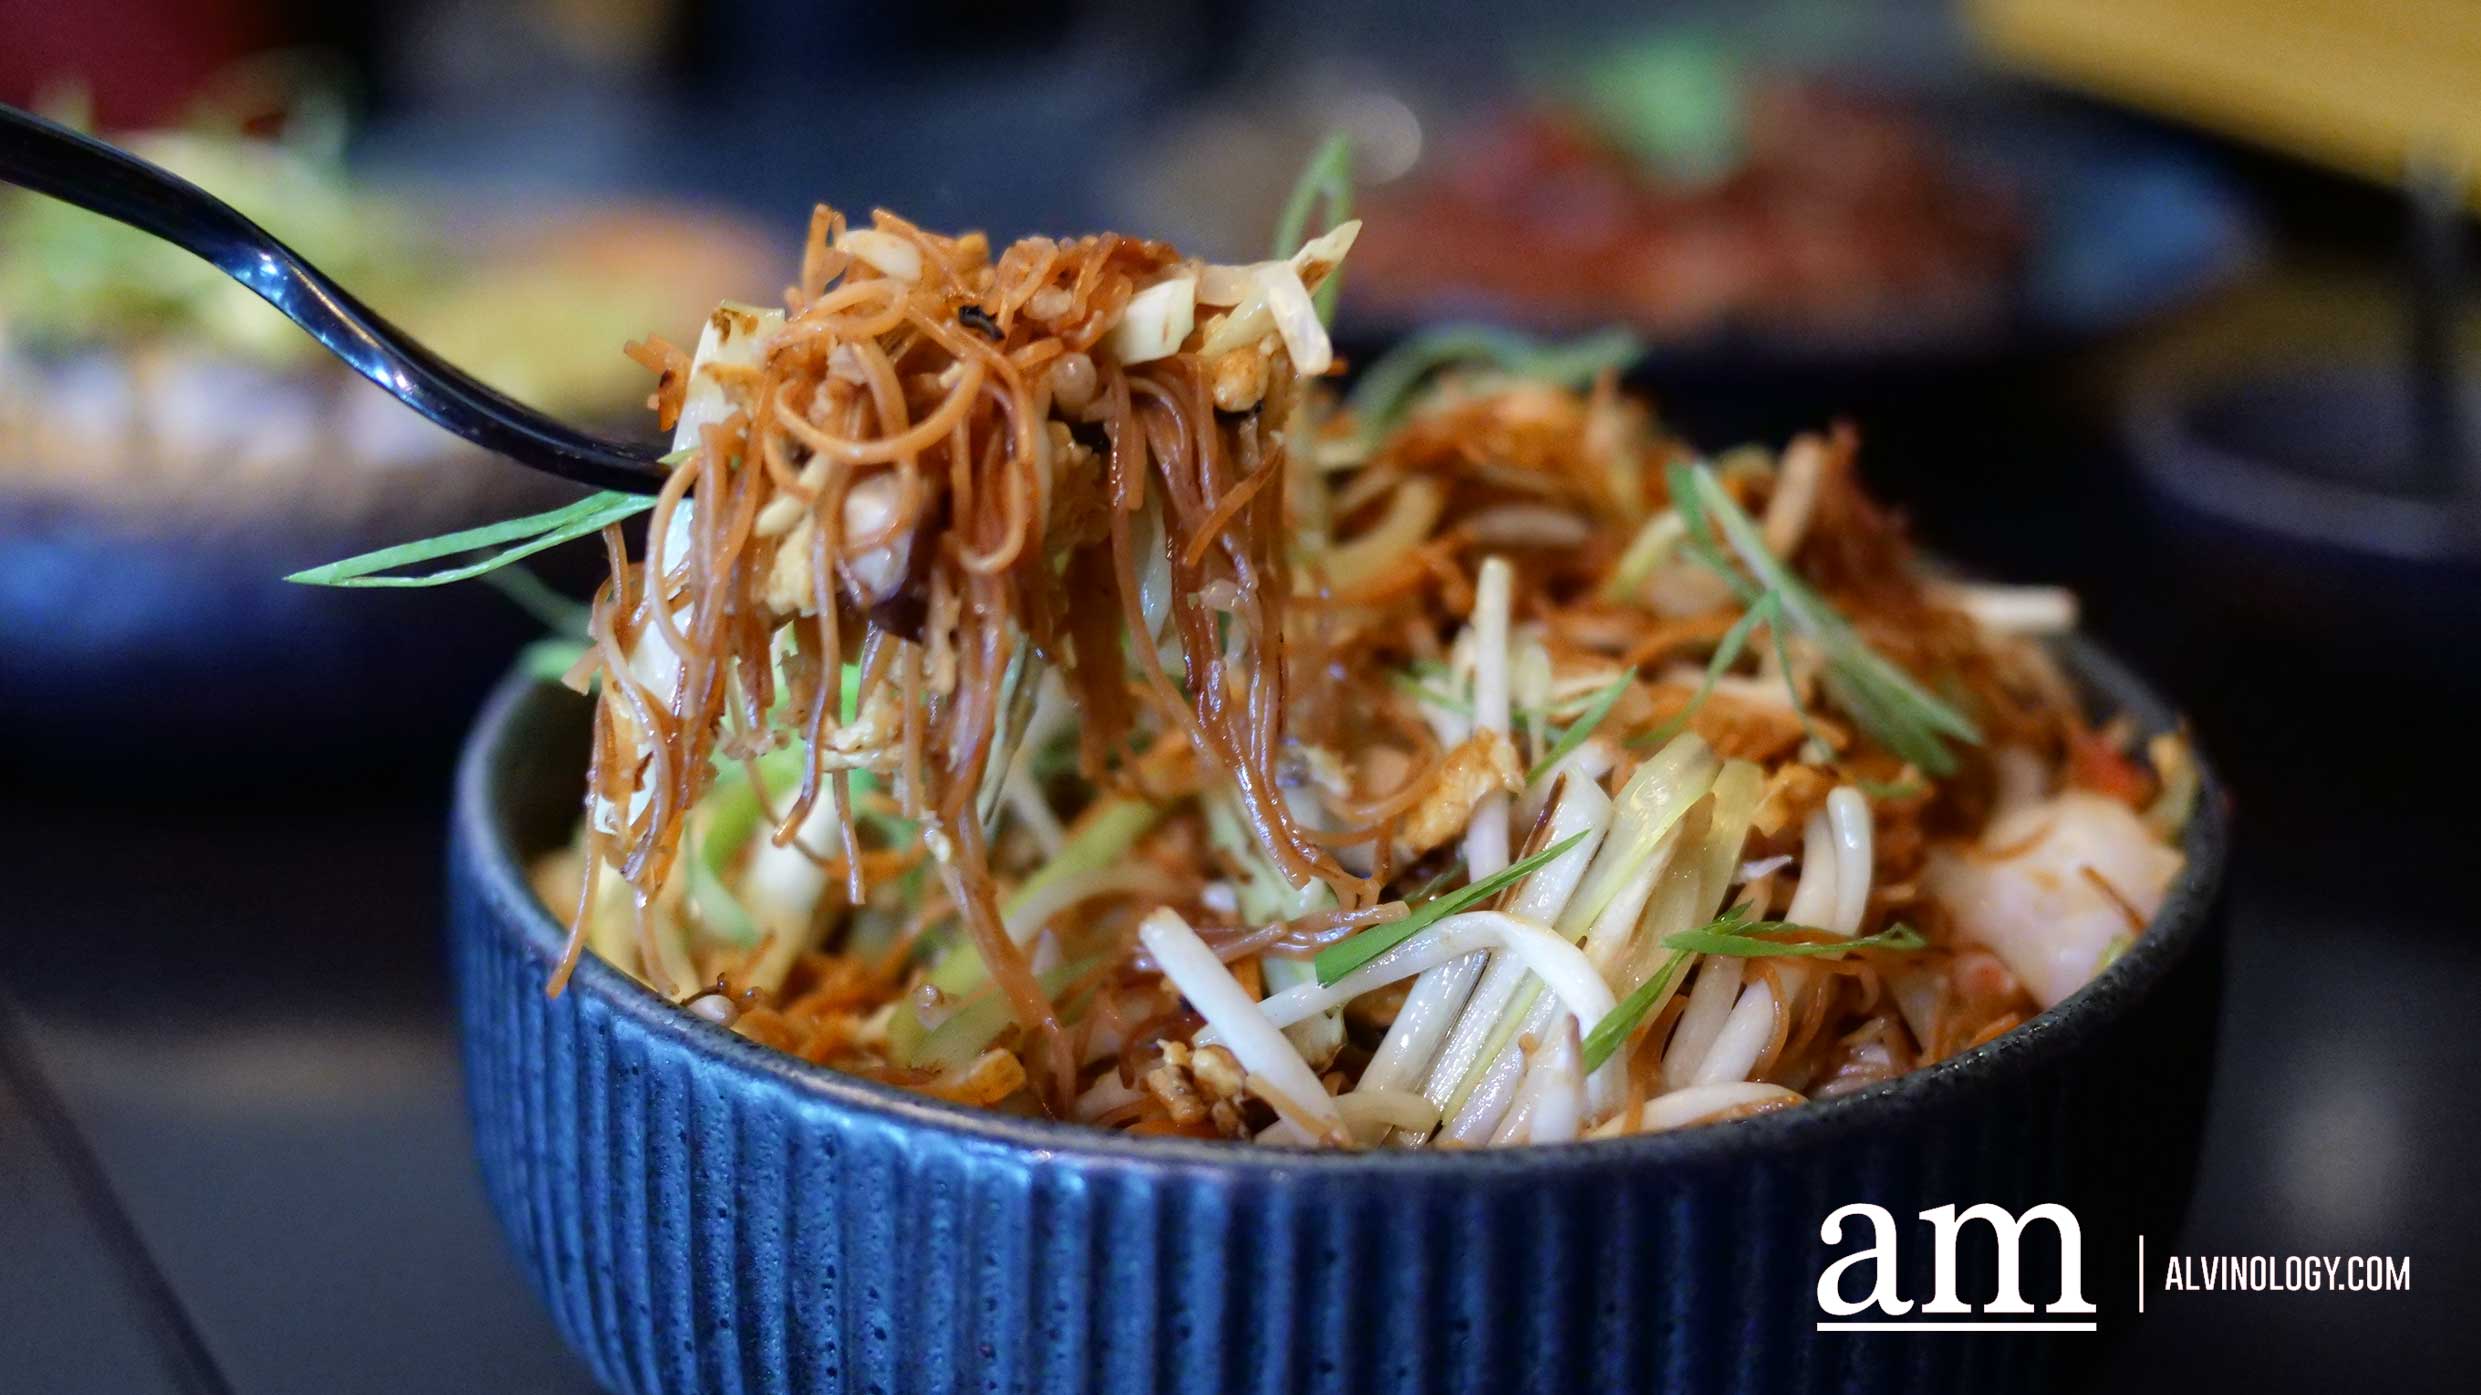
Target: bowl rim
(480, 849)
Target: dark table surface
(242, 1006)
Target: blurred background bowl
(170, 449)
(1797, 229)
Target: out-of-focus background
(2167, 300)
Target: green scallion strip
(1660, 536)
(1103, 836)
(1583, 726)
(1883, 699)
(734, 808)
(1767, 610)
(1613, 1029)
(982, 1017)
(1791, 691)
(1344, 956)
(1387, 387)
(529, 535)
(1746, 941)
(1412, 685)
(720, 913)
(1328, 175)
(1447, 702)
(1700, 537)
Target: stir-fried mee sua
(1040, 693)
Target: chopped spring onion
(1099, 839)
(1412, 683)
(1815, 749)
(1741, 937)
(1882, 698)
(1663, 800)
(1649, 549)
(1259, 886)
(720, 913)
(1582, 727)
(1263, 895)
(1658, 794)
(979, 1021)
(1891, 791)
(1446, 702)
(527, 536)
(1341, 958)
(1536, 948)
(1387, 387)
(734, 807)
(531, 534)
(1612, 1030)
(1766, 611)
(1545, 897)
(1328, 176)
(1103, 836)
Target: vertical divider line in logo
(2140, 1276)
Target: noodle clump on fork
(1040, 689)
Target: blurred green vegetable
(1676, 101)
(72, 279)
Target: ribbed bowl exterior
(703, 1215)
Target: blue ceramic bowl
(703, 1214)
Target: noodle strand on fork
(1175, 717)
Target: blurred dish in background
(170, 446)
(1754, 218)
(1684, 202)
